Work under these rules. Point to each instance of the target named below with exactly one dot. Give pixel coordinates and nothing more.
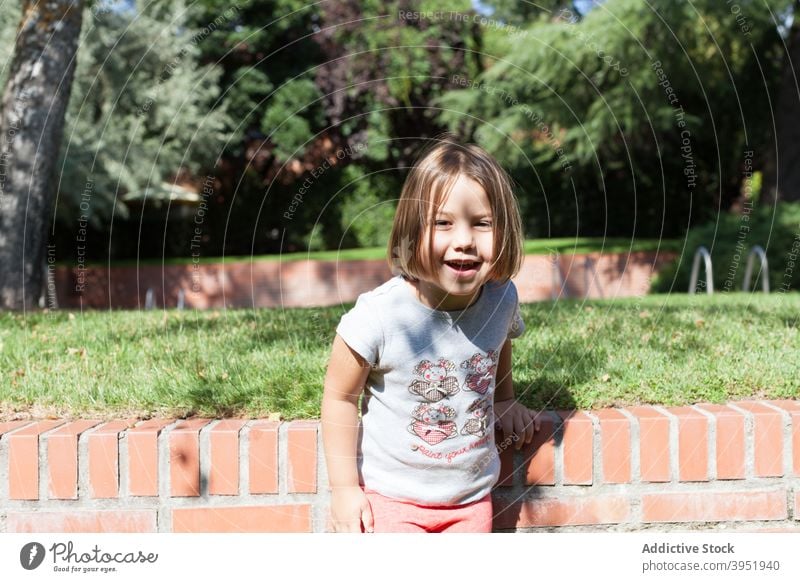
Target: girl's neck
(436, 298)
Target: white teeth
(463, 264)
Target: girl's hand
(516, 419)
(350, 509)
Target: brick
(223, 478)
(615, 440)
(301, 471)
(562, 511)
(104, 521)
(745, 505)
(654, 449)
(263, 437)
(506, 461)
(184, 458)
(23, 459)
(692, 444)
(143, 457)
(103, 447)
(730, 441)
(306, 283)
(768, 439)
(539, 457)
(253, 519)
(12, 425)
(792, 407)
(577, 447)
(62, 459)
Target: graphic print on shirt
(436, 383)
(433, 422)
(480, 371)
(480, 412)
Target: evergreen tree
(633, 120)
(143, 112)
(324, 87)
(782, 151)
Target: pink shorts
(396, 516)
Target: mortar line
(673, 441)
(711, 419)
(597, 452)
(84, 492)
(786, 422)
(42, 441)
(244, 460)
(165, 504)
(749, 441)
(204, 458)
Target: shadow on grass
(555, 372)
(555, 375)
(209, 399)
(256, 328)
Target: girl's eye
(442, 222)
(485, 224)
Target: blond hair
(425, 189)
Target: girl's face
(461, 240)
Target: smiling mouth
(463, 266)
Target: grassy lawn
(532, 247)
(660, 349)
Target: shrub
(729, 240)
(368, 206)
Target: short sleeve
(516, 326)
(360, 328)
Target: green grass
(662, 349)
(532, 247)
(569, 246)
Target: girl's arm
(514, 417)
(344, 382)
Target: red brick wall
(706, 466)
(310, 283)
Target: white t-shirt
(427, 431)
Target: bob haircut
(425, 190)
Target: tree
(516, 12)
(34, 101)
(314, 82)
(781, 167)
(143, 111)
(631, 121)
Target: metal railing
(706, 256)
(150, 299)
(763, 270)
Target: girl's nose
(462, 238)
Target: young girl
(432, 347)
